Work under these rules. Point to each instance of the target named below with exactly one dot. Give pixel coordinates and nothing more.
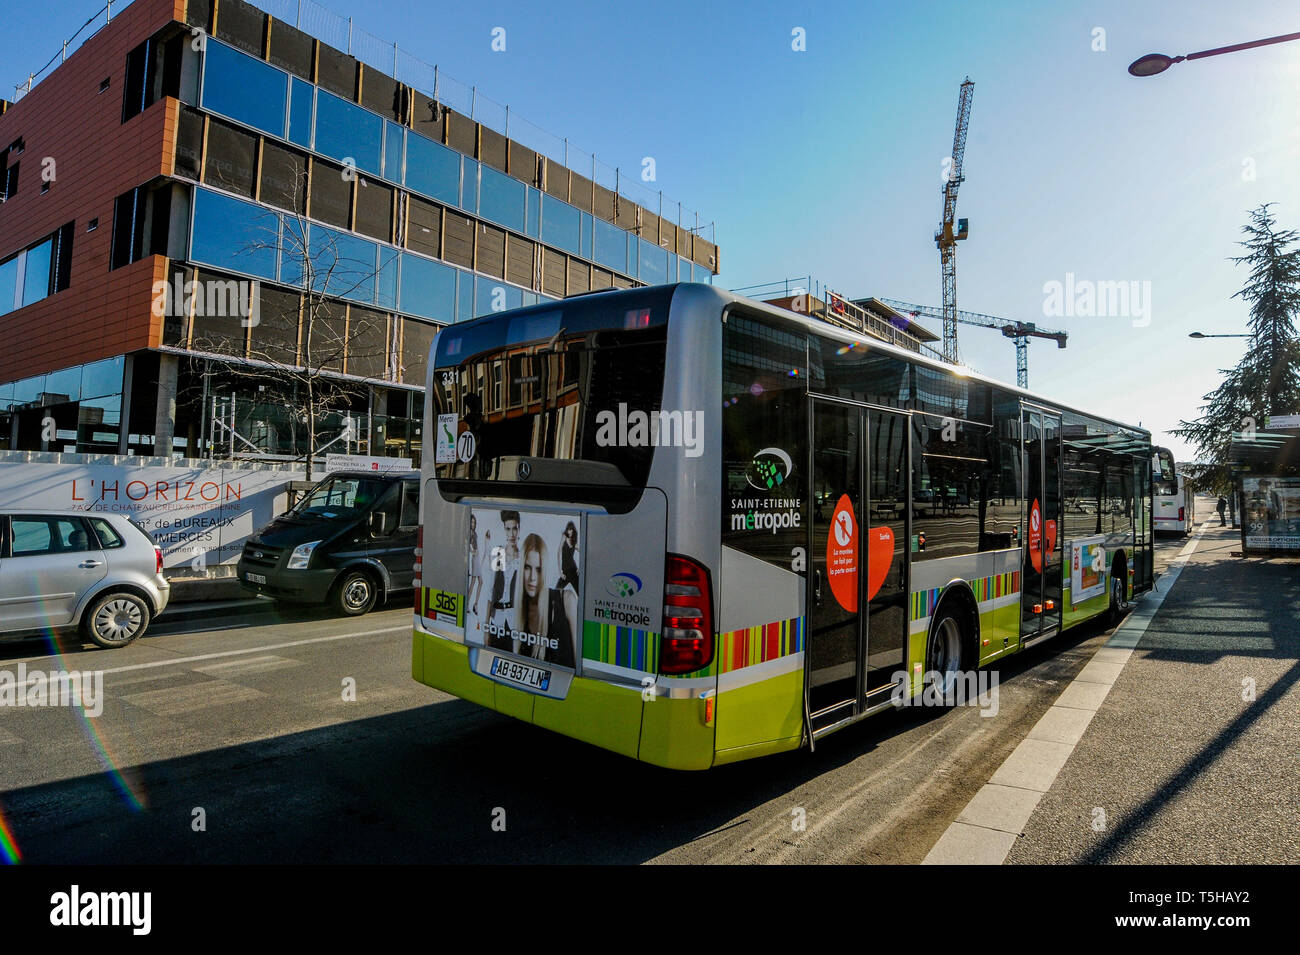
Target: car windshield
(340, 497)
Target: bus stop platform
(1177, 742)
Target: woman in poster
(569, 559)
(542, 612)
(475, 568)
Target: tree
(1267, 379)
(306, 336)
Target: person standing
(501, 616)
(1222, 506)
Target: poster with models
(524, 595)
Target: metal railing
(824, 303)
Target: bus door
(859, 481)
(1040, 577)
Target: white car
(63, 569)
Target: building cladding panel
(102, 313)
(75, 117)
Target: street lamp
(1203, 335)
(1154, 63)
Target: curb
(191, 609)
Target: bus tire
(1118, 588)
(356, 593)
(945, 651)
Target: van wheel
(356, 593)
(115, 619)
(944, 654)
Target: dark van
(350, 541)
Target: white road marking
(234, 653)
(986, 830)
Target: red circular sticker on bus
(1036, 536)
(842, 555)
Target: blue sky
(827, 162)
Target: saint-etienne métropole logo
(623, 611)
(769, 472)
(768, 469)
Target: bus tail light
(687, 641)
(1181, 514)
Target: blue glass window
(494, 295)
(244, 88)
(561, 224)
(66, 383)
(233, 234)
(654, 263)
(36, 281)
(29, 389)
(584, 239)
(465, 298)
(432, 169)
(703, 275)
(300, 108)
(469, 186)
(345, 130)
(502, 199)
(611, 246)
(9, 286)
(633, 255)
(394, 151)
(343, 264)
(530, 298)
(102, 378)
(533, 226)
(387, 284)
(428, 288)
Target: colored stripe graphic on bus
(754, 645)
(620, 646)
(442, 605)
(923, 602)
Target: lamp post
(1203, 335)
(1154, 63)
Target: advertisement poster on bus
(1272, 507)
(1087, 568)
(524, 593)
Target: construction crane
(1019, 331)
(951, 229)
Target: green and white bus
(693, 528)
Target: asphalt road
(241, 721)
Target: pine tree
(1267, 379)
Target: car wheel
(115, 619)
(355, 593)
(944, 654)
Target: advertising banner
(1272, 508)
(1087, 568)
(199, 516)
(524, 593)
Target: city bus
(1174, 506)
(692, 528)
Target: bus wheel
(355, 593)
(944, 654)
(1118, 603)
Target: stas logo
(769, 469)
(623, 585)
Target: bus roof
(847, 335)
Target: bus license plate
(534, 678)
(255, 578)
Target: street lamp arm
(1240, 46)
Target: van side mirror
(379, 523)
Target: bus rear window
(552, 396)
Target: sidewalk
(1181, 763)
